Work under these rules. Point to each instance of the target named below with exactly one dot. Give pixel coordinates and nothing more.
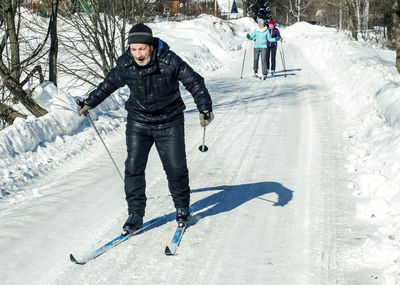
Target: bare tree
(9, 115)
(365, 19)
(361, 8)
(12, 66)
(382, 15)
(95, 40)
(396, 24)
(351, 16)
(53, 41)
(358, 16)
(298, 8)
(250, 7)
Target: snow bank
(370, 92)
(31, 147)
(203, 42)
(357, 69)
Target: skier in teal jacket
(261, 36)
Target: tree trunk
(11, 74)
(245, 13)
(366, 15)
(54, 43)
(298, 10)
(10, 11)
(352, 18)
(8, 114)
(20, 94)
(36, 69)
(396, 26)
(341, 15)
(357, 5)
(388, 20)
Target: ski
(176, 239)
(121, 238)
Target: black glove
(82, 109)
(206, 117)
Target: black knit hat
(140, 34)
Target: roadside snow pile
(360, 72)
(30, 147)
(203, 42)
(370, 92)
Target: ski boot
(133, 223)
(255, 75)
(182, 216)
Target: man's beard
(143, 61)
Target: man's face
(141, 53)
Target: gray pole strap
(119, 172)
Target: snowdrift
(370, 97)
(360, 71)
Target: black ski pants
(170, 144)
(271, 53)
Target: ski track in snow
(265, 194)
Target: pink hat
(271, 22)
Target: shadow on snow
(228, 197)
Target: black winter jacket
(154, 98)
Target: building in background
(171, 7)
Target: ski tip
(73, 259)
(168, 251)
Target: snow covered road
(265, 194)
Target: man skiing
(155, 116)
(261, 35)
(272, 46)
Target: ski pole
(280, 52)
(283, 59)
(80, 103)
(244, 58)
(203, 147)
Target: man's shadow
(228, 197)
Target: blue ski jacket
(261, 35)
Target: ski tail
(177, 237)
